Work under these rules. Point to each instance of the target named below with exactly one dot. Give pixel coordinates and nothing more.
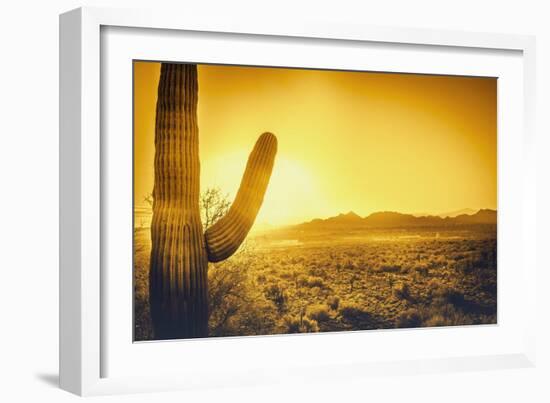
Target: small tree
(229, 285)
(214, 205)
(230, 290)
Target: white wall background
(29, 201)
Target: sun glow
(356, 141)
(290, 180)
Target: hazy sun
(291, 180)
(348, 141)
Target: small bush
(432, 316)
(310, 281)
(309, 325)
(333, 303)
(276, 294)
(401, 291)
(465, 265)
(421, 269)
(319, 313)
(315, 291)
(390, 268)
(316, 282)
(448, 295)
(409, 318)
(433, 285)
(436, 320)
(445, 315)
(293, 324)
(351, 312)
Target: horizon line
(148, 210)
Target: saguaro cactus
(178, 281)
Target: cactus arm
(226, 235)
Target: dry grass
(342, 282)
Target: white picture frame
(96, 357)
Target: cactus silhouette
(178, 281)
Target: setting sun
(289, 178)
(348, 141)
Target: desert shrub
(276, 294)
(315, 291)
(391, 280)
(421, 268)
(349, 265)
(409, 318)
(444, 315)
(448, 295)
(237, 306)
(434, 321)
(390, 268)
(309, 325)
(351, 311)
(314, 281)
(296, 259)
(299, 324)
(401, 291)
(260, 317)
(310, 281)
(432, 316)
(291, 324)
(318, 312)
(314, 270)
(227, 291)
(433, 285)
(333, 302)
(465, 265)
(352, 314)
(287, 274)
(301, 280)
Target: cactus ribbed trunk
(178, 277)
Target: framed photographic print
(239, 204)
(359, 246)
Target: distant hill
(484, 216)
(349, 220)
(391, 219)
(467, 211)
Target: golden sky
(348, 141)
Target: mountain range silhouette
(392, 219)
